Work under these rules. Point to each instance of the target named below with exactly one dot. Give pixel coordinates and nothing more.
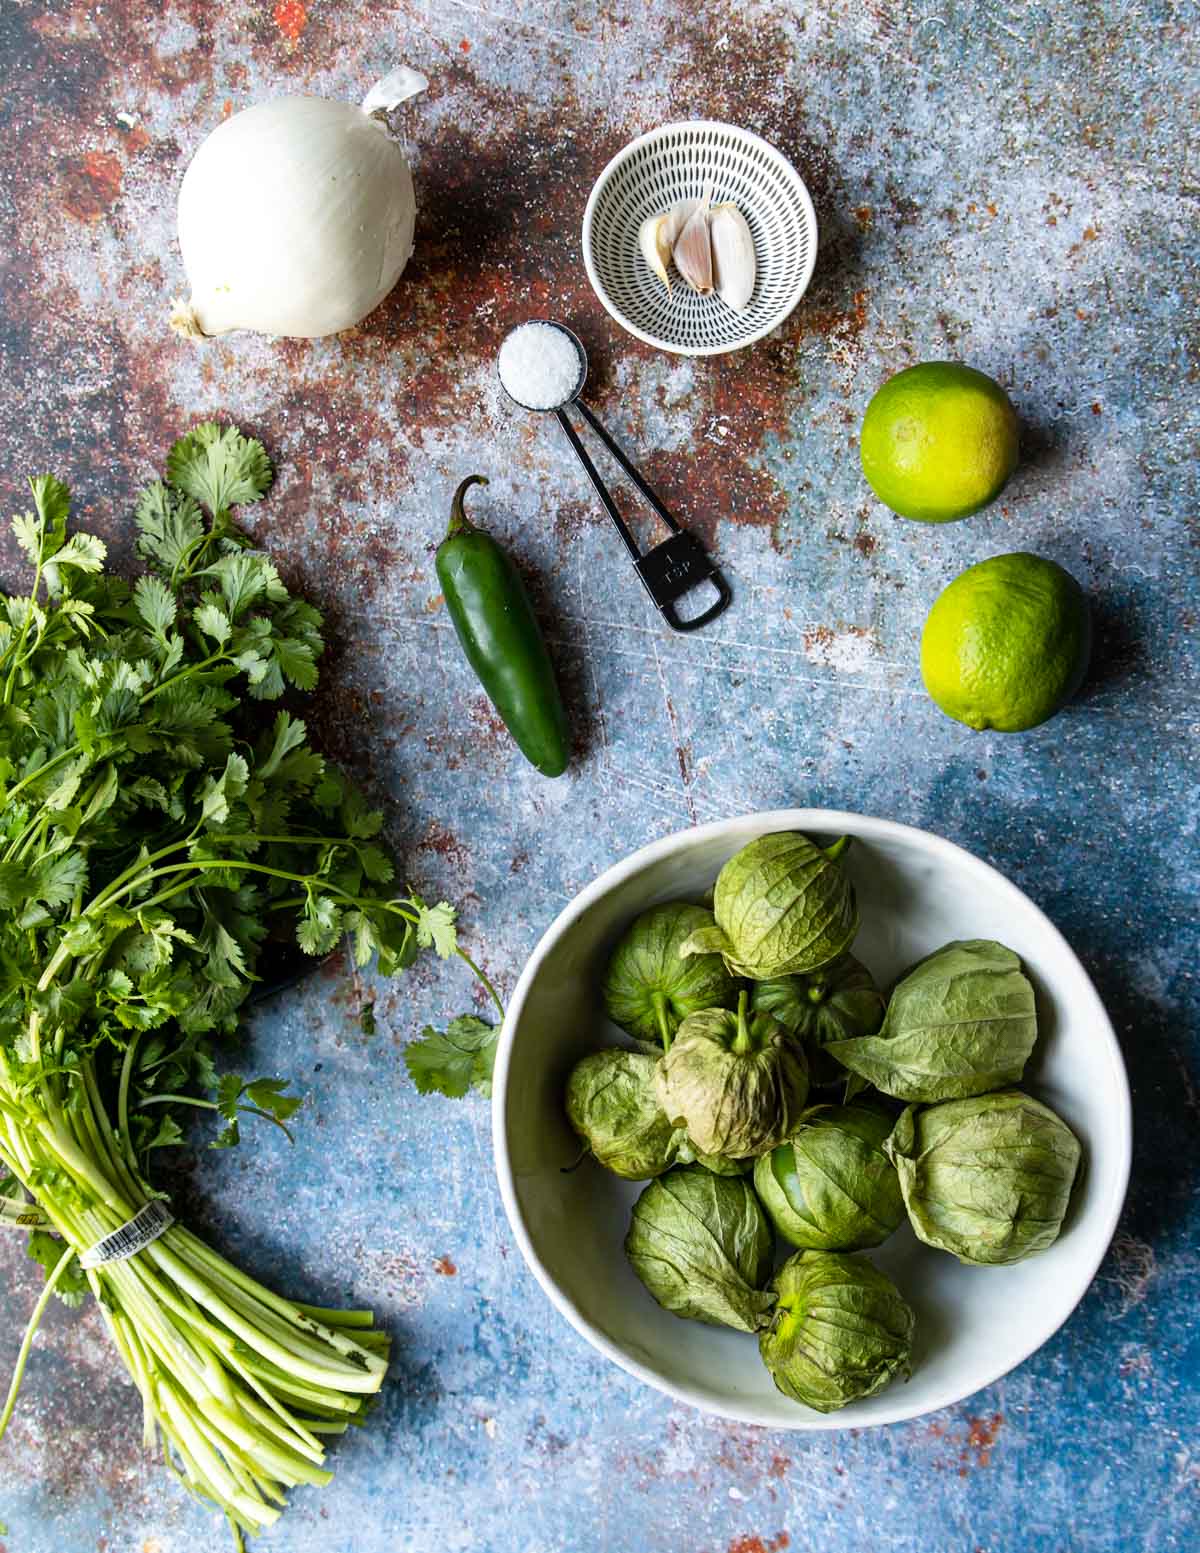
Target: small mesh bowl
(682, 161)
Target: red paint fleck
(752, 1544)
(227, 109)
(465, 45)
(291, 18)
(445, 1266)
(779, 1466)
(93, 185)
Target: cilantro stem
(206, 1105)
(40, 771)
(191, 670)
(479, 974)
(35, 1320)
(211, 1105)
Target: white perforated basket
(682, 161)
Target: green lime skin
(1007, 643)
(939, 441)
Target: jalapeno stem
(458, 517)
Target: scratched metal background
(1013, 184)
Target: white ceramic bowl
(916, 892)
(682, 161)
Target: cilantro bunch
(159, 831)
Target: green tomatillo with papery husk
(840, 1330)
(961, 1022)
(649, 987)
(835, 1003)
(987, 1178)
(830, 1186)
(613, 1106)
(736, 1081)
(703, 1248)
(781, 905)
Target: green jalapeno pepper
(499, 633)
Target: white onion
(296, 216)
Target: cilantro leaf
(56, 879)
(85, 552)
(287, 733)
(454, 1061)
(218, 792)
(155, 603)
(213, 621)
(435, 926)
(295, 658)
(168, 1134)
(219, 467)
(261, 1097)
(46, 1250)
(28, 529)
(267, 1094)
(171, 525)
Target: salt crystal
(539, 366)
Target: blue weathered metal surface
(1013, 185)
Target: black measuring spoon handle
(629, 468)
(667, 570)
(593, 475)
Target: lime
(1006, 643)
(939, 441)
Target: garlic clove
(655, 246)
(693, 250)
(733, 261)
(676, 219)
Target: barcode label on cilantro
(144, 1227)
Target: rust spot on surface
(438, 839)
(445, 1266)
(779, 1466)
(844, 321)
(981, 1438)
(291, 18)
(865, 544)
(753, 1544)
(135, 138)
(92, 185)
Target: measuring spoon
(667, 570)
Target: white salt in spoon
(543, 367)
